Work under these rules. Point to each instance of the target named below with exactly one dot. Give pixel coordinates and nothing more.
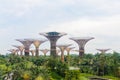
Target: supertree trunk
(81, 51)
(53, 49)
(37, 51)
(26, 51)
(68, 53)
(21, 53)
(62, 56)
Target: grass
(111, 77)
(84, 76)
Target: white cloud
(22, 7)
(103, 24)
(104, 29)
(95, 25)
(19, 7)
(108, 6)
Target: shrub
(72, 75)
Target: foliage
(56, 76)
(39, 78)
(49, 68)
(72, 75)
(40, 61)
(26, 75)
(58, 66)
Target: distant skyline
(80, 18)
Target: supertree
(33, 52)
(57, 51)
(13, 51)
(102, 61)
(68, 49)
(103, 50)
(53, 37)
(27, 43)
(37, 43)
(20, 48)
(17, 50)
(81, 41)
(45, 51)
(62, 49)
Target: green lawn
(85, 76)
(111, 77)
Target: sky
(100, 19)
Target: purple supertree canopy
(19, 47)
(13, 51)
(25, 42)
(81, 40)
(103, 50)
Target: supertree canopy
(81, 41)
(53, 37)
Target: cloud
(100, 19)
(94, 25)
(18, 7)
(23, 7)
(104, 29)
